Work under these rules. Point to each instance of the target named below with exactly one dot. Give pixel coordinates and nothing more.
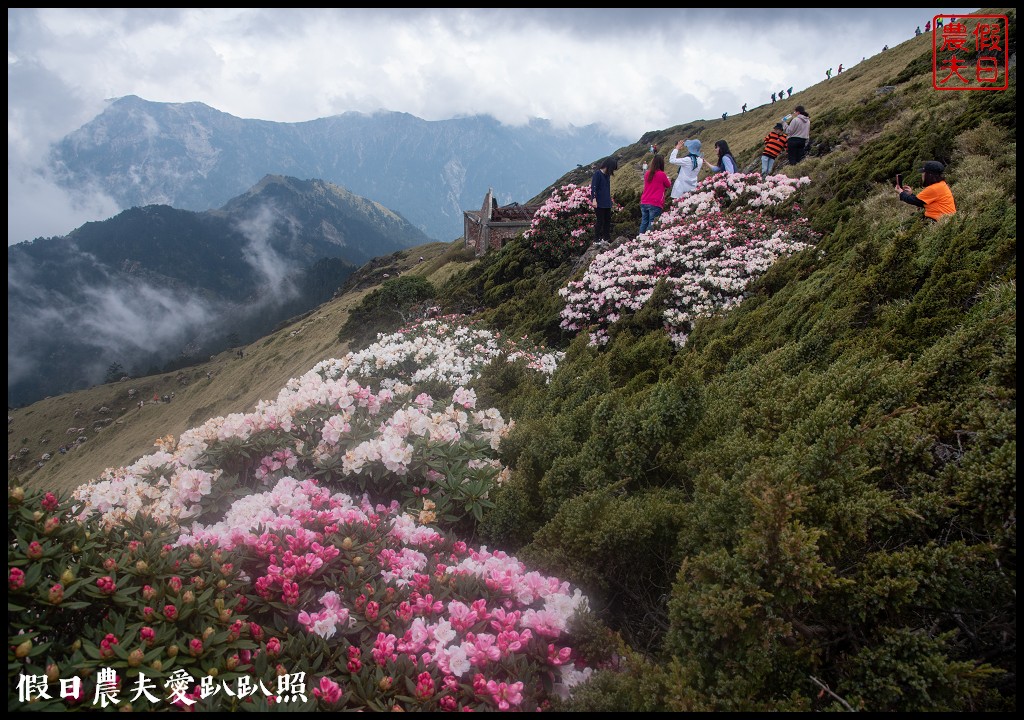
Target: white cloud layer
(634, 70)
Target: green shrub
(384, 310)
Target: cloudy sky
(634, 70)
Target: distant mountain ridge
(193, 157)
(155, 286)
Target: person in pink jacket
(652, 200)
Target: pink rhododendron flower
(328, 691)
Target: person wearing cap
(689, 167)
(774, 143)
(936, 198)
(798, 127)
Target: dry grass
(745, 131)
(225, 384)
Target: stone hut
(491, 226)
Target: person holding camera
(936, 198)
(689, 167)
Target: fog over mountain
(156, 287)
(193, 157)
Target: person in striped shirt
(774, 143)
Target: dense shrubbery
(811, 505)
(208, 568)
(307, 599)
(827, 518)
(396, 302)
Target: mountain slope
(156, 286)
(117, 428)
(193, 157)
(811, 505)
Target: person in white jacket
(689, 167)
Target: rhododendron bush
(564, 225)
(309, 536)
(706, 248)
(378, 435)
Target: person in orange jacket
(936, 198)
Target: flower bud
(67, 577)
(56, 595)
(141, 566)
(385, 683)
(51, 525)
(208, 632)
(76, 646)
(347, 543)
(38, 515)
(222, 584)
(157, 665)
(218, 604)
(135, 657)
(16, 495)
(195, 560)
(172, 651)
(34, 550)
(52, 673)
(188, 597)
(23, 650)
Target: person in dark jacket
(726, 162)
(601, 191)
